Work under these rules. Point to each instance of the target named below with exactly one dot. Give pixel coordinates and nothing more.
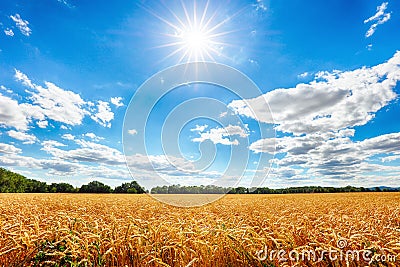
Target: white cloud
(199, 128)
(331, 102)
(390, 158)
(93, 136)
(21, 24)
(304, 75)
(379, 18)
(336, 157)
(42, 124)
(59, 167)
(104, 115)
(132, 132)
(221, 135)
(9, 149)
(83, 163)
(87, 152)
(59, 104)
(297, 144)
(174, 170)
(117, 101)
(320, 117)
(68, 137)
(11, 114)
(223, 114)
(2, 87)
(165, 164)
(263, 145)
(27, 138)
(52, 102)
(9, 32)
(52, 143)
(21, 77)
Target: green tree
(130, 188)
(61, 188)
(95, 187)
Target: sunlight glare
(196, 35)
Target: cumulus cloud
(60, 167)
(117, 101)
(59, 104)
(9, 32)
(2, 87)
(52, 102)
(52, 143)
(390, 158)
(68, 137)
(62, 105)
(27, 138)
(11, 114)
(263, 145)
(220, 135)
(319, 119)
(173, 170)
(335, 156)
(199, 128)
(93, 136)
(165, 164)
(9, 149)
(21, 24)
(104, 115)
(42, 124)
(379, 18)
(297, 144)
(304, 75)
(87, 152)
(331, 102)
(23, 78)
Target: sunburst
(195, 35)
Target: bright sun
(196, 43)
(195, 39)
(195, 35)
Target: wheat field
(237, 230)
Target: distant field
(237, 230)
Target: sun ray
(189, 21)
(194, 15)
(176, 17)
(168, 45)
(222, 34)
(223, 22)
(204, 13)
(176, 51)
(162, 19)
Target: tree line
(211, 189)
(11, 182)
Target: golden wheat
(135, 230)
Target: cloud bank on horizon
(331, 80)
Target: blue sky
(329, 72)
